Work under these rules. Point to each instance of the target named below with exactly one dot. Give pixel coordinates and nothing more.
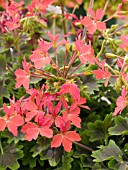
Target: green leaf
(95, 131)
(113, 164)
(121, 126)
(112, 151)
(77, 165)
(28, 159)
(42, 144)
(96, 166)
(92, 117)
(2, 62)
(86, 161)
(91, 83)
(3, 89)
(66, 161)
(98, 129)
(35, 80)
(11, 137)
(10, 156)
(53, 155)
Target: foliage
(64, 82)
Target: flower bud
(118, 33)
(118, 84)
(110, 55)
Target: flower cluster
(52, 110)
(45, 114)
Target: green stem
(83, 146)
(125, 83)
(18, 50)
(64, 22)
(1, 148)
(101, 50)
(56, 58)
(54, 27)
(106, 65)
(17, 45)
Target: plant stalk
(83, 146)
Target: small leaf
(42, 145)
(11, 137)
(2, 62)
(3, 89)
(112, 151)
(53, 155)
(66, 161)
(121, 126)
(113, 164)
(98, 129)
(28, 159)
(35, 80)
(10, 156)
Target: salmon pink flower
(101, 74)
(40, 56)
(72, 89)
(86, 52)
(73, 112)
(65, 137)
(11, 120)
(121, 103)
(40, 5)
(32, 130)
(94, 23)
(55, 39)
(124, 45)
(22, 75)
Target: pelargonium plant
(57, 101)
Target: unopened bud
(116, 72)
(118, 84)
(113, 27)
(87, 73)
(126, 59)
(118, 33)
(125, 25)
(110, 55)
(123, 12)
(126, 70)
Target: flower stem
(91, 3)
(101, 50)
(106, 20)
(106, 5)
(41, 76)
(1, 148)
(70, 64)
(118, 29)
(83, 146)
(64, 22)
(75, 69)
(56, 58)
